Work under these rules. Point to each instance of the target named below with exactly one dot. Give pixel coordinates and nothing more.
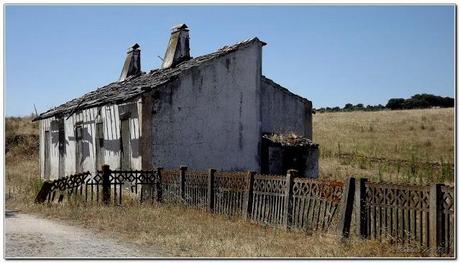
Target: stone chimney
(178, 47)
(132, 64)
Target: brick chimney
(178, 47)
(132, 64)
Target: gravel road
(28, 236)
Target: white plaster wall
(210, 116)
(283, 112)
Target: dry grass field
(414, 136)
(414, 146)
(189, 232)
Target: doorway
(78, 148)
(99, 145)
(46, 167)
(61, 146)
(125, 149)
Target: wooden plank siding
(108, 116)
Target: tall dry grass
(180, 230)
(416, 137)
(22, 180)
(429, 133)
(187, 232)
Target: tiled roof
(118, 92)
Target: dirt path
(30, 236)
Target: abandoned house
(215, 110)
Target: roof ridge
(133, 87)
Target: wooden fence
(408, 214)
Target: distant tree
(395, 103)
(372, 108)
(348, 107)
(447, 102)
(335, 109)
(417, 101)
(420, 101)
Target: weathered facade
(208, 111)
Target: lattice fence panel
(170, 185)
(315, 203)
(398, 212)
(196, 189)
(67, 186)
(133, 183)
(268, 202)
(229, 189)
(448, 215)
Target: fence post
(158, 185)
(247, 202)
(183, 169)
(361, 206)
(347, 208)
(44, 192)
(211, 173)
(436, 219)
(287, 207)
(105, 184)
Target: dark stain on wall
(197, 78)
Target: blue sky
(331, 55)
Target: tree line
(418, 101)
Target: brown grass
(22, 165)
(189, 232)
(414, 136)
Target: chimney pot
(178, 49)
(132, 66)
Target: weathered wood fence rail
(405, 214)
